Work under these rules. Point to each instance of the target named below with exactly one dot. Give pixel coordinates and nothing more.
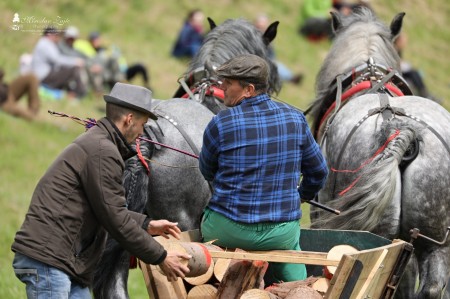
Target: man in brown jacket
(80, 199)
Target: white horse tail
(363, 205)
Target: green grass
(145, 31)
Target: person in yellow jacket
(115, 66)
(315, 19)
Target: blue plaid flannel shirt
(255, 153)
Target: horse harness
(374, 78)
(201, 84)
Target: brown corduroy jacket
(78, 201)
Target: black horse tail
(111, 275)
(363, 205)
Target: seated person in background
(11, 93)
(114, 65)
(54, 69)
(315, 19)
(410, 74)
(92, 72)
(286, 75)
(190, 38)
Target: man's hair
(259, 87)
(115, 112)
(50, 30)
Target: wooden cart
(372, 272)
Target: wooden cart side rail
(365, 274)
(279, 256)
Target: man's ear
(249, 90)
(128, 119)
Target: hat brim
(114, 100)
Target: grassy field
(145, 32)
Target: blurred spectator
(315, 19)
(411, 74)
(286, 75)
(54, 69)
(346, 8)
(114, 65)
(190, 38)
(92, 73)
(10, 94)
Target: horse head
(371, 45)
(223, 42)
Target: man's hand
(164, 228)
(173, 266)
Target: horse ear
(396, 25)
(336, 22)
(212, 24)
(270, 33)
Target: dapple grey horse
(388, 151)
(174, 188)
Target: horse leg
(434, 272)
(112, 274)
(407, 284)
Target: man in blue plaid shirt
(255, 153)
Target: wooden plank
(388, 267)
(340, 277)
(375, 269)
(149, 281)
(159, 287)
(377, 265)
(279, 256)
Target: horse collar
(368, 77)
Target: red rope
(357, 88)
(381, 149)
(141, 157)
(395, 134)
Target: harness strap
(436, 133)
(151, 134)
(385, 109)
(183, 133)
(186, 88)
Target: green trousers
(257, 236)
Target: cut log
(336, 253)
(282, 289)
(204, 291)
(240, 277)
(304, 292)
(220, 267)
(200, 261)
(201, 279)
(258, 294)
(212, 247)
(321, 285)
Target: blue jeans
(43, 281)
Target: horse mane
(359, 37)
(232, 38)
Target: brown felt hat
(247, 67)
(134, 97)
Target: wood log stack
(227, 277)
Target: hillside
(145, 31)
